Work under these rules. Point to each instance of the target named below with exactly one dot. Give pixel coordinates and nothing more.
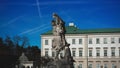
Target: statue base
(60, 63)
(63, 62)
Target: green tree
(9, 44)
(16, 40)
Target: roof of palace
(75, 30)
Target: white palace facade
(92, 48)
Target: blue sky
(32, 17)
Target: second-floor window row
(77, 41)
(98, 53)
(80, 53)
(103, 40)
(90, 41)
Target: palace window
(90, 40)
(80, 53)
(73, 41)
(105, 40)
(105, 52)
(119, 52)
(119, 40)
(113, 66)
(98, 66)
(46, 42)
(90, 53)
(80, 41)
(98, 53)
(74, 65)
(113, 52)
(112, 40)
(73, 52)
(105, 66)
(90, 66)
(80, 66)
(53, 54)
(46, 52)
(97, 41)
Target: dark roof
(75, 30)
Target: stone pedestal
(64, 62)
(61, 63)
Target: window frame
(90, 53)
(46, 42)
(46, 53)
(98, 52)
(105, 40)
(90, 66)
(112, 40)
(119, 40)
(97, 40)
(80, 41)
(80, 66)
(105, 52)
(112, 52)
(53, 54)
(98, 66)
(73, 41)
(90, 41)
(80, 53)
(105, 66)
(73, 53)
(119, 52)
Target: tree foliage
(12, 48)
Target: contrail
(11, 21)
(33, 29)
(40, 30)
(50, 3)
(38, 7)
(63, 2)
(58, 3)
(25, 4)
(73, 2)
